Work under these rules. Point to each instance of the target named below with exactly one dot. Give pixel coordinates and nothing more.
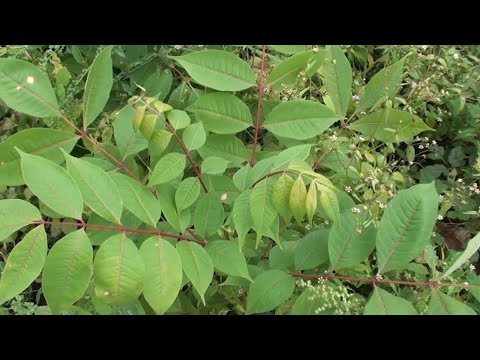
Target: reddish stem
(259, 106)
(119, 229)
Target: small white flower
(356, 97)
(410, 163)
(420, 146)
(30, 80)
(355, 210)
(460, 180)
(456, 56)
(348, 189)
(434, 142)
(440, 217)
(472, 267)
(224, 197)
(465, 283)
(333, 137)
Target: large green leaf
(312, 250)
(328, 202)
(241, 216)
(98, 86)
(390, 125)
(167, 168)
(137, 199)
(261, 208)
(349, 242)
(283, 257)
(194, 136)
(218, 69)
(228, 147)
(442, 304)
(472, 248)
(383, 303)
(38, 141)
(67, 271)
(15, 214)
(26, 89)
(186, 193)
(208, 216)
(119, 270)
(129, 141)
(337, 77)
(298, 197)
(406, 226)
(269, 290)
(159, 84)
(286, 73)
(197, 265)
(299, 119)
(24, 264)
(53, 185)
(227, 258)
(281, 196)
(222, 113)
(98, 190)
(163, 273)
(383, 84)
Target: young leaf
(442, 304)
(37, 141)
(24, 264)
(383, 303)
(298, 196)
(209, 215)
(98, 86)
(329, 203)
(241, 216)
(129, 141)
(311, 203)
(67, 270)
(158, 143)
(53, 185)
(186, 193)
(137, 199)
(299, 119)
(261, 208)
(119, 271)
(472, 248)
(269, 290)
(197, 265)
(227, 258)
(98, 190)
(222, 113)
(281, 196)
(15, 214)
(218, 69)
(179, 119)
(286, 73)
(349, 242)
(167, 168)
(194, 136)
(406, 226)
(312, 250)
(163, 273)
(26, 89)
(228, 147)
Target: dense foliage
(281, 179)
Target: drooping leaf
(269, 290)
(37, 141)
(299, 119)
(218, 69)
(329, 203)
(312, 250)
(406, 226)
(67, 270)
(15, 214)
(241, 216)
(163, 273)
(298, 197)
(24, 264)
(167, 168)
(281, 196)
(228, 147)
(52, 184)
(383, 303)
(194, 136)
(186, 193)
(311, 203)
(179, 220)
(442, 304)
(261, 208)
(129, 141)
(227, 258)
(98, 86)
(208, 216)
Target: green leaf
(167, 168)
(472, 248)
(24, 88)
(329, 203)
(159, 142)
(312, 250)
(300, 152)
(442, 304)
(227, 258)
(390, 125)
(179, 119)
(209, 215)
(262, 211)
(289, 49)
(37, 141)
(383, 84)
(281, 196)
(197, 266)
(474, 288)
(67, 271)
(137, 199)
(119, 271)
(241, 216)
(98, 190)
(222, 113)
(163, 275)
(129, 141)
(15, 214)
(194, 136)
(311, 203)
(337, 77)
(159, 84)
(98, 86)
(53, 185)
(269, 290)
(299, 119)
(214, 165)
(99, 236)
(24, 264)
(283, 257)
(349, 242)
(406, 226)
(186, 193)
(228, 147)
(218, 69)
(383, 303)
(179, 220)
(286, 73)
(298, 197)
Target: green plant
(173, 179)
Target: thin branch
(259, 107)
